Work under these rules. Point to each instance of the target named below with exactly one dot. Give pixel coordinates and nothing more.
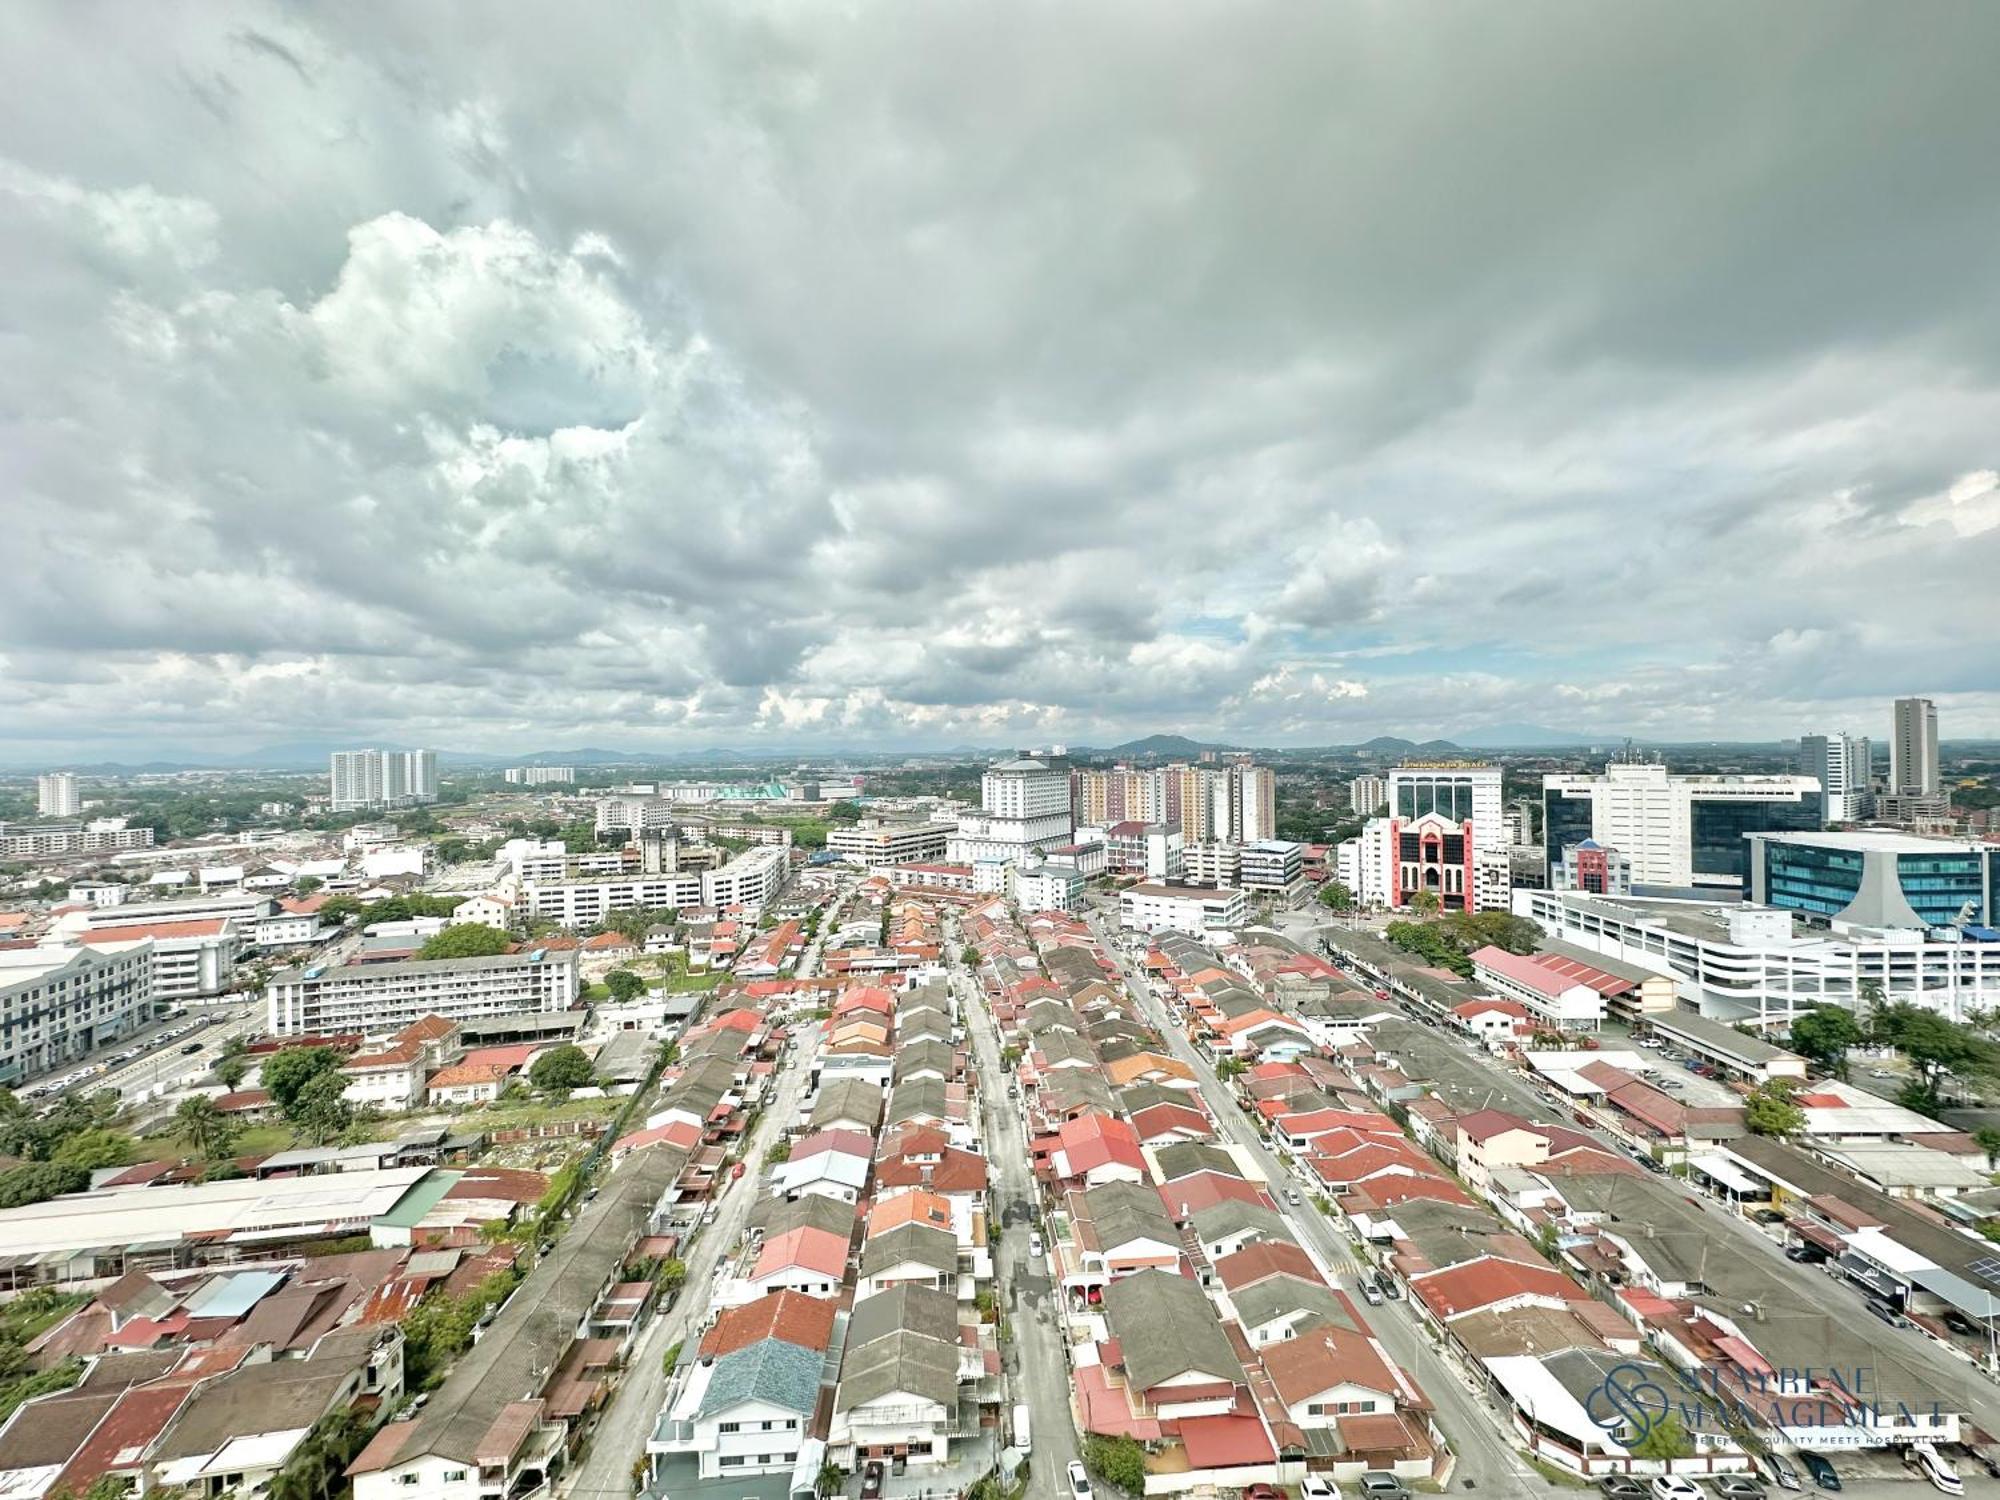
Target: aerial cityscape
(940, 753)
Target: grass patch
(1557, 1476)
(521, 1116)
(37, 1310)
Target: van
(1021, 1435)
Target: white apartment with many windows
(374, 998)
(1192, 909)
(57, 1004)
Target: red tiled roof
(1483, 1124)
(792, 1317)
(1227, 1442)
(206, 927)
(812, 1249)
(1323, 1358)
(1254, 1263)
(1481, 1283)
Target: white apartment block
(634, 813)
(58, 1004)
(1181, 908)
(1367, 794)
(540, 775)
(381, 778)
(56, 795)
(373, 998)
(1048, 887)
(1913, 749)
(1237, 801)
(874, 843)
(751, 879)
(31, 841)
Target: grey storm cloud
(878, 374)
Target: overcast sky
(513, 377)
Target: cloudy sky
(850, 374)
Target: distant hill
(1529, 737)
(1167, 746)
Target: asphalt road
(166, 1068)
(1485, 1457)
(1037, 1364)
(619, 1440)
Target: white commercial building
(1025, 810)
(1445, 834)
(874, 843)
(1678, 832)
(1273, 865)
(373, 998)
(1913, 749)
(1048, 887)
(381, 778)
(1192, 909)
(57, 1004)
(1843, 766)
(634, 813)
(1212, 864)
(1742, 962)
(540, 775)
(56, 795)
(104, 836)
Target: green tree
(1771, 1110)
(672, 1277)
(31, 1182)
(452, 851)
(1426, 903)
(321, 1110)
(338, 911)
(970, 957)
(1868, 1009)
(1665, 1439)
(465, 940)
(287, 1072)
(205, 1128)
(92, 1149)
(1938, 1046)
(782, 1151)
(1824, 1035)
(231, 1069)
(305, 885)
(625, 986)
(1336, 896)
(1119, 1461)
(561, 1069)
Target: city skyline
(919, 382)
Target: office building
(1212, 864)
(56, 795)
(1444, 834)
(1191, 909)
(1047, 887)
(874, 843)
(1025, 810)
(1367, 795)
(1876, 879)
(541, 775)
(1149, 849)
(1272, 866)
(60, 1003)
(361, 779)
(1841, 764)
(1680, 833)
(374, 998)
(1913, 749)
(1751, 963)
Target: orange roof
(431, 1028)
(464, 1073)
(791, 1317)
(919, 1207)
(207, 927)
(399, 1056)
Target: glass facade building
(1876, 880)
(1717, 825)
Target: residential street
(1485, 1457)
(1037, 1367)
(619, 1440)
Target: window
(406, 1479)
(454, 1476)
(733, 1460)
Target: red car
(1381, 994)
(736, 1171)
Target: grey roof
(1280, 1296)
(925, 1310)
(1117, 1048)
(1448, 1234)
(925, 1244)
(1231, 1216)
(919, 1099)
(902, 1362)
(777, 1217)
(276, 1396)
(915, 1057)
(847, 1099)
(924, 1026)
(1185, 1157)
(1145, 1094)
(1167, 1327)
(1716, 1034)
(1045, 1016)
(1121, 1212)
(1072, 1087)
(1066, 1046)
(770, 1370)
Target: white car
(1319, 1487)
(1673, 1487)
(1936, 1468)
(1035, 1246)
(1079, 1482)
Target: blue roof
(770, 1370)
(233, 1296)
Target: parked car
(1821, 1470)
(1079, 1482)
(1292, 1196)
(1781, 1470)
(1673, 1487)
(1371, 1293)
(1034, 1244)
(1262, 1492)
(1622, 1487)
(871, 1479)
(1380, 1484)
(1738, 1487)
(1887, 1313)
(1767, 1216)
(1959, 1323)
(1319, 1487)
(1805, 1255)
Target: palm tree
(204, 1127)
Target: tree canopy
(287, 1072)
(1825, 1034)
(1451, 940)
(321, 1110)
(1335, 895)
(1771, 1110)
(624, 985)
(465, 940)
(561, 1069)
